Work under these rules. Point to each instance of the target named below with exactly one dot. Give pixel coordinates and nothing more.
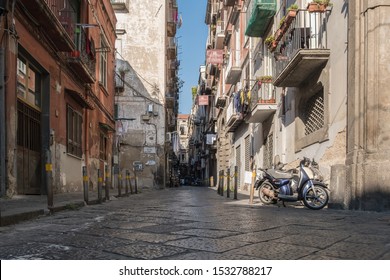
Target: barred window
(268, 151)
(247, 153)
(74, 132)
(313, 116)
(103, 63)
(103, 146)
(238, 164)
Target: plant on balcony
(265, 79)
(271, 43)
(278, 35)
(318, 6)
(291, 13)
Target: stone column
(368, 134)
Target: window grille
(247, 153)
(29, 127)
(74, 132)
(103, 64)
(313, 115)
(238, 164)
(268, 151)
(103, 146)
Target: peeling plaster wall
(143, 49)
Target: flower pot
(278, 34)
(290, 16)
(75, 54)
(316, 8)
(273, 45)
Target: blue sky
(192, 38)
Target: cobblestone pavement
(196, 223)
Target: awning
(262, 13)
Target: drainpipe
(2, 127)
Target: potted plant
(278, 35)
(265, 79)
(271, 43)
(268, 41)
(291, 13)
(318, 6)
(75, 53)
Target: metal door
(29, 169)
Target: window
(103, 63)
(103, 146)
(74, 132)
(313, 117)
(182, 130)
(247, 154)
(268, 152)
(29, 83)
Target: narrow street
(188, 223)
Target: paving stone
(161, 228)
(274, 250)
(210, 233)
(148, 237)
(147, 251)
(354, 251)
(207, 244)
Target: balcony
(83, 59)
(120, 6)
(220, 102)
(263, 102)
(262, 14)
(56, 18)
(233, 68)
(170, 100)
(234, 118)
(229, 2)
(172, 21)
(171, 48)
(303, 50)
(220, 35)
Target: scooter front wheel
(316, 197)
(267, 193)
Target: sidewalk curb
(20, 217)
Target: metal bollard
(49, 180)
(223, 182)
(107, 188)
(131, 185)
(100, 183)
(228, 182)
(85, 184)
(120, 184)
(127, 182)
(135, 182)
(235, 181)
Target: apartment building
(57, 93)
(289, 80)
(147, 87)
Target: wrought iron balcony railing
(302, 50)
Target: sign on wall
(214, 57)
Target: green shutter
(262, 14)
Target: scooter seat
(278, 174)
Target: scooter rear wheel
(264, 198)
(316, 197)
